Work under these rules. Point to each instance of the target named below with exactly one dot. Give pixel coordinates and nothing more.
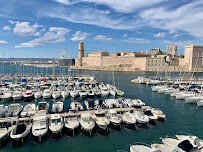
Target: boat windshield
(87, 119)
(56, 120)
(113, 114)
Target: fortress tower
(80, 53)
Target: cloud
(7, 28)
(102, 37)
(3, 42)
(25, 29)
(12, 22)
(79, 36)
(176, 35)
(54, 35)
(21, 50)
(125, 35)
(160, 34)
(137, 40)
(128, 6)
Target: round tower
(80, 53)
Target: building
(66, 62)
(193, 58)
(97, 54)
(171, 50)
(78, 62)
(155, 51)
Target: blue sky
(37, 28)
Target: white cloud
(127, 6)
(79, 36)
(125, 35)
(3, 42)
(102, 37)
(137, 40)
(176, 35)
(163, 34)
(54, 35)
(7, 28)
(25, 29)
(12, 22)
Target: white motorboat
(14, 110)
(21, 130)
(152, 117)
(98, 93)
(92, 104)
(3, 110)
(128, 118)
(142, 148)
(184, 145)
(46, 94)
(200, 103)
(87, 122)
(104, 92)
(57, 107)
(184, 95)
(193, 99)
(76, 106)
(113, 117)
(56, 94)
(140, 117)
(5, 130)
(73, 93)
(56, 123)
(40, 126)
(83, 94)
(71, 122)
(28, 110)
(194, 140)
(90, 94)
(158, 112)
(164, 148)
(111, 103)
(17, 95)
(112, 92)
(64, 94)
(137, 103)
(7, 96)
(29, 95)
(42, 106)
(37, 95)
(101, 119)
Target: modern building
(171, 50)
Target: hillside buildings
(157, 60)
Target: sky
(50, 28)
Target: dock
(66, 114)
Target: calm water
(181, 117)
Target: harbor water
(180, 117)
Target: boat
(42, 106)
(3, 110)
(128, 118)
(7, 96)
(199, 103)
(120, 93)
(56, 123)
(164, 148)
(5, 130)
(17, 95)
(193, 99)
(14, 110)
(71, 122)
(142, 148)
(57, 107)
(64, 94)
(46, 94)
(98, 93)
(101, 119)
(114, 118)
(90, 94)
(159, 113)
(28, 95)
(37, 95)
(76, 106)
(83, 94)
(56, 94)
(21, 130)
(140, 117)
(104, 92)
(87, 122)
(28, 110)
(40, 126)
(152, 117)
(112, 92)
(73, 93)
(111, 103)
(92, 104)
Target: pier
(66, 114)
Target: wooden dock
(66, 114)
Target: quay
(66, 114)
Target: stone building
(193, 58)
(171, 50)
(155, 51)
(97, 54)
